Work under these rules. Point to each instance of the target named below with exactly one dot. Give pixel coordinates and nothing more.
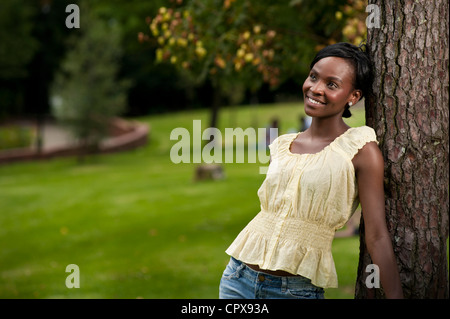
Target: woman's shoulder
(356, 139)
(363, 131)
(359, 136)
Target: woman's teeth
(314, 101)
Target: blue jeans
(241, 282)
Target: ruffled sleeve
(281, 144)
(356, 139)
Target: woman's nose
(317, 88)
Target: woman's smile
(315, 101)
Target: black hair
(360, 60)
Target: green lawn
(136, 224)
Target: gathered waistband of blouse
(306, 233)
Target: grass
(136, 224)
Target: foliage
(33, 43)
(86, 94)
(154, 88)
(220, 45)
(354, 15)
(15, 137)
(18, 46)
(244, 43)
(18, 43)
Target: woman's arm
(369, 167)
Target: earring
(350, 104)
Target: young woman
(314, 183)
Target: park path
(55, 135)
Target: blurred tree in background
(86, 93)
(18, 44)
(266, 45)
(32, 34)
(354, 17)
(240, 45)
(218, 45)
(17, 49)
(155, 89)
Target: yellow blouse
(304, 199)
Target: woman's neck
(325, 129)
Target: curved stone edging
(126, 135)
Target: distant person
(274, 125)
(313, 185)
(305, 122)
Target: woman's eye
(312, 76)
(332, 85)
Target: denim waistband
(290, 282)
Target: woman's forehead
(334, 67)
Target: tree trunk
(215, 105)
(409, 111)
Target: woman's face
(329, 87)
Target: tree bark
(408, 109)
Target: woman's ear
(356, 96)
